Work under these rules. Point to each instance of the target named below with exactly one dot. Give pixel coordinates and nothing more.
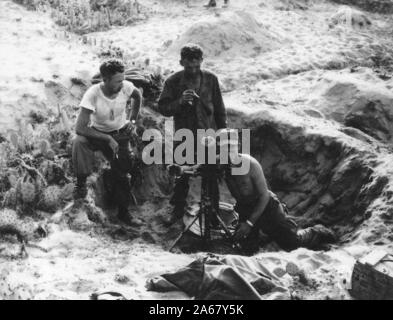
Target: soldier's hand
(114, 146)
(174, 170)
(130, 128)
(242, 232)
(188, 97)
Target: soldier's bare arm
(136, 95)
(261, 190)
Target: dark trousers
(274, 222)
(180, 192)
(83, 162)
(181, 187)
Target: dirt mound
(351, 18)
(357, 103)
(236, 33)
(321, 178)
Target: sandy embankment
(285, 71)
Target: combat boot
(122, 198)
(80, 189)
(125, 217)
(315, 237)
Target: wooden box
(372, 277)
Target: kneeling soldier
(260, 209)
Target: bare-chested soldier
(260, 209)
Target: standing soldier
(193, 98)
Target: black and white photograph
(177, 151)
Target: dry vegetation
(81, 16)
(35, 168)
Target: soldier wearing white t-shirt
(103, 124)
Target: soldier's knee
(79, 141)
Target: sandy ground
(276, 61)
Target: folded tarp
(220, 278)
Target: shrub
(82, 16)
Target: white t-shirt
(108, 114)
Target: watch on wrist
(250, 223)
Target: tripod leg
(201, 216)
(184, 231)
(228, 233)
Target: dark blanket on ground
(230, 277)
